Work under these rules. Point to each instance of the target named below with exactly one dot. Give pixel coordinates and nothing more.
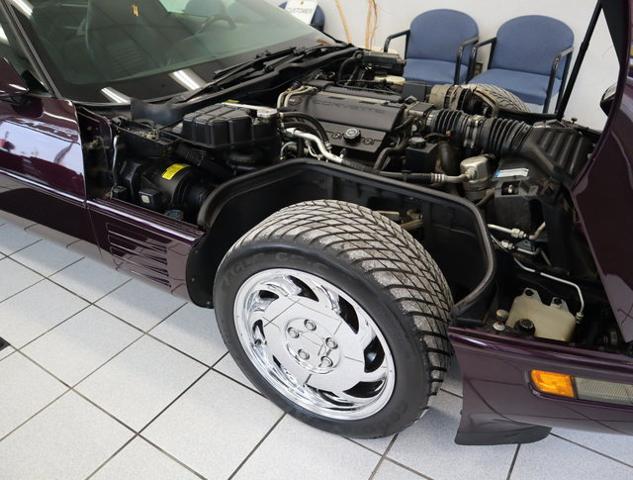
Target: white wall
(600, 69)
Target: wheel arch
(454, 231)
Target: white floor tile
(616, 446)
(294, 450)
(6, 351)
(36, 310)
(90, 279)
(85, 249)
(24, 390)
(141, 461)
(46, 257)
(14, 238)
(228, 367)
(140, 304)
(67, 441)
(376, 444)
(556, 458)
(214, 426)
(137, 384)
(390, 471)
(79, 346)
(6, 217)
(193, 330)
(52, 235)
(428, 447)
(14, 277)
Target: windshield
(109, 50)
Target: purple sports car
(355, 232)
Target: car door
(41, 160)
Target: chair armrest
(406, 33)
(460, 55)
(554, 72)
(473, 55)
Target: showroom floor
(107, 378)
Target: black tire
(502, 99)
(383, 268)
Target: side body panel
(41, 165)
(144, 243)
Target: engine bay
(477, 143)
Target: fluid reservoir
(554, 321)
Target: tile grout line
(513, 462)
(25, 247)
(385, 457)
(408, 468)
(148, 334)
(259, 444)
(24, 289)
(94, 304)
(34, 414)
(97, 406)
(382, 458)
(48, 277)
(452, 393)
(237, 381)
(138, 434)
(591, 450)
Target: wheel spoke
(376, 375)
(366, 334)
(281, 285)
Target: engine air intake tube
(558, 151)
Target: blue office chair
(439, 45)
(318, 21)
(530, 56)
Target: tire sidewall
(411, 391)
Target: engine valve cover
(343, 110)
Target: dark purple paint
(42, 179)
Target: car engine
(478, 143)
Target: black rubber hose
(344, 65)
(387, 152)
(497, 136)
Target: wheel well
(453, 233)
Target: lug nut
(303, 355)
(293, 333)
(326, 362)
(310, 325)
(331, 344)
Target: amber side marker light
(552, 383)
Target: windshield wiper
(261, 62)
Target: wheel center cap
(312, 346)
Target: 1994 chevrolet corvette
(353, 231)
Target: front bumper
(501, 406)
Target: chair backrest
(437, 35)
(530, 44)
(318, 21)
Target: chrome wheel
(315, 344)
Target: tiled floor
(107, 378)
